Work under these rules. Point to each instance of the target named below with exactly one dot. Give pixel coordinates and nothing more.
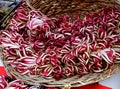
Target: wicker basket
(53, 8)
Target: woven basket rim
(74, 81)
(35, 7)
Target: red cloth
(2, 71)
(93, 86)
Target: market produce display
(61, 47)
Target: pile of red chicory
(15, 84)
(8, 83)
(61, 47)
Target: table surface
(113, 82)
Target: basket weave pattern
(57, 7)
